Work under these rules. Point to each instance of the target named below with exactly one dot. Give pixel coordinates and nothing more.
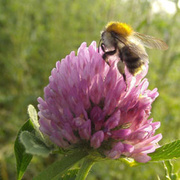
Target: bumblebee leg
(121, 68)
(105, 57)
(105, 54)
(108, 53)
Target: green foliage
(35, 34)
(85, 168)
(33, 116)
(33, 145)
(22, 158)
(28, 144)
(70, 175)
(170, 174)
(58, 168)
(34, 119)
(167, 151)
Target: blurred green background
(34, 34)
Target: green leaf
(169, 170)
(166, 152)
(33, 145)
(56, 170)
(33, 116)
(69, 175)
(22, 158)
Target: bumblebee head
(121, 29)
(113, 32)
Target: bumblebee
(121, 40)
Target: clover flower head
(86, 103)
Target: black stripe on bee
(132, 60)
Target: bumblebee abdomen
(133, 62)
(134, 65)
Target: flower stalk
(85, 168)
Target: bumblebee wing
(138, 51)
(119, 38)
(150, 42)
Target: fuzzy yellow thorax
(120, 28)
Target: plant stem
(56, 170)
(85, 168)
